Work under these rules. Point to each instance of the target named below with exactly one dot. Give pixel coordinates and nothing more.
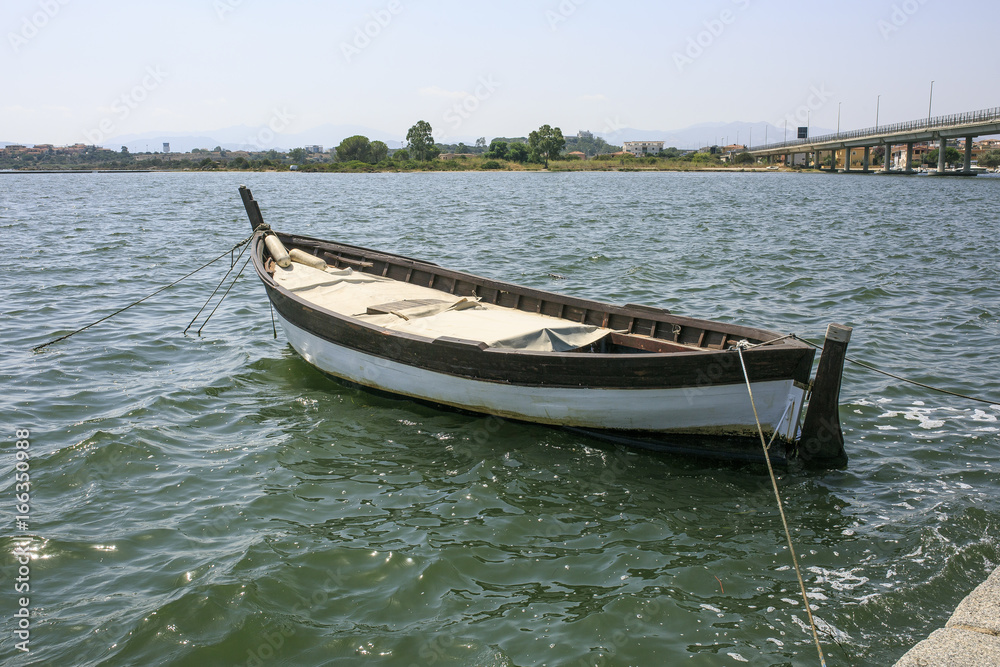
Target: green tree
(497, 151)
(518, 152)
(546, 142)
(480, 144)
(379, 150)
(951, 156)
(743, 158)
(354, 148)
(990, 160)
(590, 145)
(421, 142)
(401, 154)
(297, 154)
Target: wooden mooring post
(822, 441)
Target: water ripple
(214, 500)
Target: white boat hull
(706, 410)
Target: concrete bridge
(938, 129)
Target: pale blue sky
(76, 68)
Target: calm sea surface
(213, 500)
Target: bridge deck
(970, 124)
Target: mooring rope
(224, 294)
(781, 509)
(232, 265)
(750, 346)
(135, 303)
(274, 329)
(987, 401)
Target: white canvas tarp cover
(423, 311)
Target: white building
(641, 148)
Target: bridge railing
(981, 116)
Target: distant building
(166, 146)
(585, 134)
(577, 155)
(314, 149)
(898, 157)
(641, 148)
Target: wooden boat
(633, 374)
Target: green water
(215, 501)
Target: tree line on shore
(359, 153)
(538, 148)
(544, 144)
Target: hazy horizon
(91, 73)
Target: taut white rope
(781, 510)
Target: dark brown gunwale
(690, 368)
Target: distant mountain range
(243, 137)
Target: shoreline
(970, 637)
(718, 170)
